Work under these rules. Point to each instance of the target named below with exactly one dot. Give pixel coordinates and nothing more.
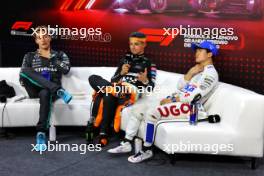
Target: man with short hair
(41, 74)
(200, 81)
(135, 70)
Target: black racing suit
(41, 78)
(137, 64)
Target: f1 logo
(21, 25)
(158, 35)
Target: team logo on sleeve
(189, 88)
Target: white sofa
(241, 111)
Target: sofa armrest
(251, 119)
(240, 109)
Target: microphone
(211, 119)
(196, 98)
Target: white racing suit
(203, 83)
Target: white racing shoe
(140, 156)
(124, 147)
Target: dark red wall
(240, 62)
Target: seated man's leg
(135, 116)
(97, 82)
(177, 111)
(38, 80)
(45, 100)
(44, 112)
(146, 152)
(171, 111)
(109, 108)
(138, 113)
(32, 89)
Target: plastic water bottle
(194, 109)
(52, 133)
(89, 133)
(194, 114)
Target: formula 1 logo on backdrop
(21, 28)
(158, 35)
(224, 38)
(21, 25)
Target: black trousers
(39, 87)
(109, 102)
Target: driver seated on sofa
(41, 74)
(135, 72)
(201, 80)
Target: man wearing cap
(135, 70)
(201, 80)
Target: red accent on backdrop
(241, 62)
